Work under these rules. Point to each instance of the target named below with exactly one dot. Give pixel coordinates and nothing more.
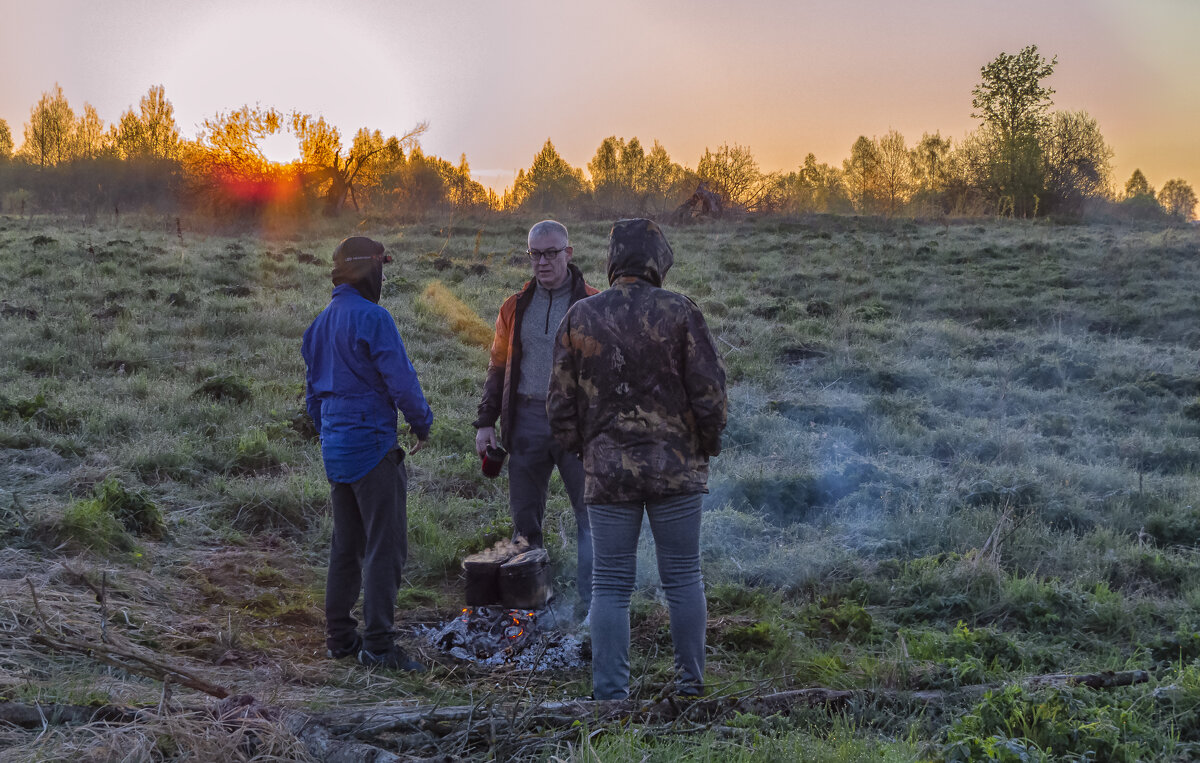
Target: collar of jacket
(348, 289)
(526, 295)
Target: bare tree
(732, 173)
(321, 155)
(1077, 161)
(1178, 199)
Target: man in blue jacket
(358, 377)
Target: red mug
(493, 460)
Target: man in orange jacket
(514, 393)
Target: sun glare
(281, 148)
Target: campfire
(508, 619)
(497, 636)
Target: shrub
(87, 525)
(758, 637)
(256, 452)
(844, 621)
(226, 387)
(1020, 725)
(294, 503)
(133, 509)
(38, 410)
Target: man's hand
(484, 437)
(416, 448)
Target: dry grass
(988, 422)
(463, 321)
(158, 736)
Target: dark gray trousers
(367, 553)
(533, 458)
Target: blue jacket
(358, 377)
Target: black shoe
(342, 652)
(393, 659)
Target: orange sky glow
(496, 79)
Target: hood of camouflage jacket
(638, 248)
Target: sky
(496, 78)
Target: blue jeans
(675, 525)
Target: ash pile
(509, 619)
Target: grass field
(958, 453)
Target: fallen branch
(134, 663)
(38, 716)
(345, 736)
(1106, 679)
(121, 658)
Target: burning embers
(498, 636)
(508, 619)
(483, 632)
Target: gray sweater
(538, 327)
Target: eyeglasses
(549, 254)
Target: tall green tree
(463, 191)
(550, 185)
(49, 134)
(895, 172)
(931, 166)
(1137, 185)
(618, 176)
(861, 172)
(88, 140)
(150, 132)
(827, 184)
(1012, 104)
(814, 187)
(665, 183)
(6, 142)
(1178, 199)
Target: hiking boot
(347, 650)
(393, 659)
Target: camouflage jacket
(637, 387)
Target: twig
(104, 607)
(120, 658)
(37, 608)
(143, 666)
(732, 347)
(165, 700)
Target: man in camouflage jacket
(638, 390)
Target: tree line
(1023, 160)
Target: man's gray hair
(547, 227)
